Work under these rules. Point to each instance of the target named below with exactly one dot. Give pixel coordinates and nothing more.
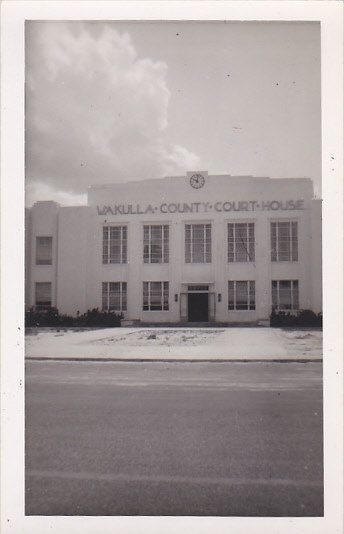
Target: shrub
(51, 317)
(305, 318)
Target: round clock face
(197, 181)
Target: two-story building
(194, 248)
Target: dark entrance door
(197, 307)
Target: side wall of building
(41, 221)
(316, 247)
(74, 249)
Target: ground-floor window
(155, 296)
(43, 295)
(114, 296)
(285, 294)
(241, 295)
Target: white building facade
(196, 248)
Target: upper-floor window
(241, 295)
(114, 296)
(44, 250)
(155, 296)
(43, 295)
(285, 294)
(240, 242)
(114, 244)
(284, 241)
(198, 243)
(155, 243)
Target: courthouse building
(194, 248)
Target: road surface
(198, 439)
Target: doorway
(197, 307)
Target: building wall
(74, 246)
(316, 247)
(42, 221)
(78, 271)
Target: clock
(197, 181)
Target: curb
(174, 360)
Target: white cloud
(43, 191)
(95, 111)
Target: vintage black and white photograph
(174, 290)
(173, 275)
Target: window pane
(124, 296)
(274, 290)
(165, 296)
(155, 296)
(241, 295)
(231, 295)
(284, 241)
(155, 244)
(230, 242)
(114, 296)
(208, 243)
(166, 244)
(295, 295)
(104, 296)
(240, 242)
(115, 244)
(252, 295)
(188, 243)
(294, 245)
(198, 243)
(285, 295)
(124, 244)
(44, 250)
(43, 294)
(273, 242)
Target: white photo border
(14, 14)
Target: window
(155, 296)
(285, 294)
(43, 295)
(44, 250)
(284, 241)
(155, 243)
(198, 243)
(114, 296)
(114, 244)
(240, 242)
(241, 295)
(197, 289)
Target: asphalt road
(197, 439)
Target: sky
(110, 102)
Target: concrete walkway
(176, 344)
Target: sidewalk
(177, 344)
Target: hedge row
(304, 318)
(51, 317)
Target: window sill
(155, 311)
(240, 311)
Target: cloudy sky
(116, 101)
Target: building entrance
(198, 306)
